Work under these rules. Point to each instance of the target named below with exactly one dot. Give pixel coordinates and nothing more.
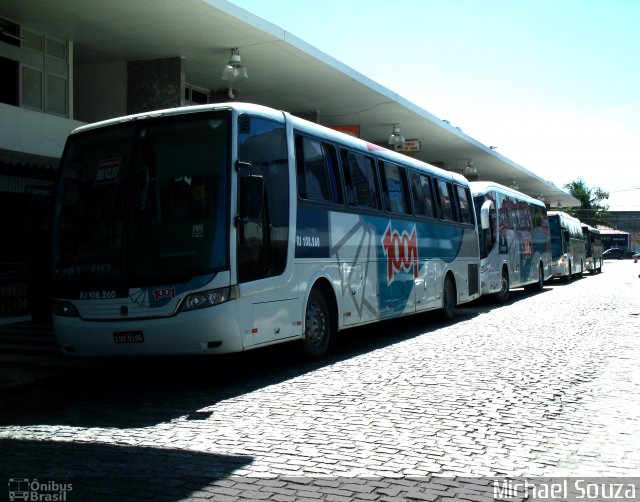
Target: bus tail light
(203, 299)
(65, 309)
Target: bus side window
(464, 197)
(393, 187)
(445, 201)
(360, 180)
(317, 171)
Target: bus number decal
(308, 241)
(108, 171)
(401, 251)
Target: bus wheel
(567, 278)
(448, 299)
(318, 326)
(503, 295)
(540, 283)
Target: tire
(448, 299)
(318, 326)
(567, 278)
(503, 295)
(539, 286)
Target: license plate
(128, 337)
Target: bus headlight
(65, 309)
(203, 299)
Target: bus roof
(482, 187)
(384, 153)
(564, 216)
(280, 116)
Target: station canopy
(284, 72)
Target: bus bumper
(212, 330)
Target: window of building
(56, 48)
(35, 72)
(56, 95)
(195, 96)
(31, 88)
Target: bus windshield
(143, 203)
(556, 236)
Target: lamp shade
(234, 69)
(396, 138)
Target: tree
(592, 210)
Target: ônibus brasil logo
(401, 251)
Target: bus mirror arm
(484, 215)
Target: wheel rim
(316, 324)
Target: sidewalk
(29, 355)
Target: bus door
(268, 303)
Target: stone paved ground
(547, 385)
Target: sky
(554, 84)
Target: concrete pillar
(154, 84)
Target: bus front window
(144, 203)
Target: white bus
(515, 247)
(593, 249)
(567, 245)
(221, 228)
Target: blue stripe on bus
(402, 248)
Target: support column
(154, 84)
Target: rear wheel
(567, 278)
(448, 299)
(540, 285)
(318, 326)
(503, 295)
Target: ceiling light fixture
(234, 70)
(471, 169)
(396, 139)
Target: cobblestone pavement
(547, 385)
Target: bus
(593, 249)
(222, 228)
(515, 245)
(567, 245)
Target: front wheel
(318, 326)
(503, 295)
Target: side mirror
(484, 215)
(251, 197)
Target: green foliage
(592, 210)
